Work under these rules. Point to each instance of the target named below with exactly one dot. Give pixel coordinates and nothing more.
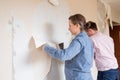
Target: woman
(79, 55)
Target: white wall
(7, 9)
(86, 7)
(22, 11)
(115, 15)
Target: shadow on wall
(37, 54)
(33, 51)
(49, 31)
(56, 69)
(54, 73)
(49, 69)
(41, 61)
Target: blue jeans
(112, 74)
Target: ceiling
(115, 4)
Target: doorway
(115, 34)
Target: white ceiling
(115, 4)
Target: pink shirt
(104, 52)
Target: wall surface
(22, 14)
(86, 7)
(19, 29)
(115, 15)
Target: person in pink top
(105, 59)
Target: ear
(91, 31)
(78, 25)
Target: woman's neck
(78, 33)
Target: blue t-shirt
(78, 57)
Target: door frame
(115, 34)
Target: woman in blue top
(79, 55)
